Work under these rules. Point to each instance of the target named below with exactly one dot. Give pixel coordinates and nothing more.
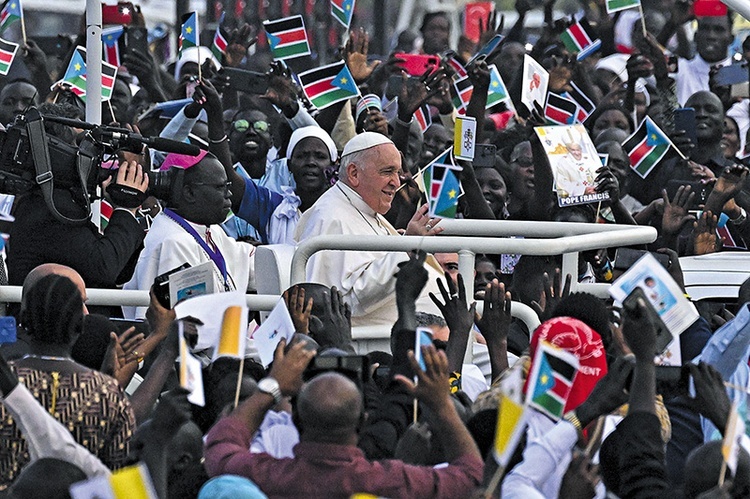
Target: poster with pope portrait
(574, 161)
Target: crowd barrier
(277, 267)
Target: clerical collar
(356, 200)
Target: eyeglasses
(244, 126)
(225, 187)
(523, 161)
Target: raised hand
(299, 308)
(355, 55)
(411, 278)
(282, 91)
(432, 387)
(421, 224)
(238, 41)
(416, 91)
(607, 182)
(676, 211)
(288, 367)
(609, 393)
(705, 240)
(730, 182)
(711, 398)
(552, 293)
(496, 317)
(456, 312)
(334, 328)
(639, 331)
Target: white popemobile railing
(492, 237)
(466, 237)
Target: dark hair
(603, 109)
(430, 16)
(53, 311)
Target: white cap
(365, 140)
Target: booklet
(574, 161)
(665, 295)
(191, 282)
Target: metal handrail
(132, 298)
(596, 239)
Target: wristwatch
(741, 218)
(271, 387)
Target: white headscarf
(312, 131)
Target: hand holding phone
(644, 331)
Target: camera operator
(37, 237)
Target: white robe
(168, 246)
(365, 278)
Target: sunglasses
(244, 126)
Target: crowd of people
(82, 397)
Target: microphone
(158, 143)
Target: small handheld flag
(11, 12)
(132, 482)
(585, 105)
(287, 37)
(497, 92)
(464, 138)
(111, 38)
(342, 11)
(551, 380)
(329, 84)
(579, 40)
(464, 89)
(233, 334)
(219, 45)
(618, 5)
(189, 32)
(445, 189)
(8, 52)
(511, 418)
(559, 110)
(423, 117)
(75, 75)
(646, 147)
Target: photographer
(37, 237)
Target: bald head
(329, 408)
(52, 269)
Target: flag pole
(23, 28)
(494, 482)
(643, 20)
(239, 382)
(111, 111)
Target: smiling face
(575, 151)
(250, 137)
(308, 163)
(493, 188)
(709, 117)
(374, 175)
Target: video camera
(30, 157)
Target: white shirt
(692, 76)
(365, 278)
(168, 246)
